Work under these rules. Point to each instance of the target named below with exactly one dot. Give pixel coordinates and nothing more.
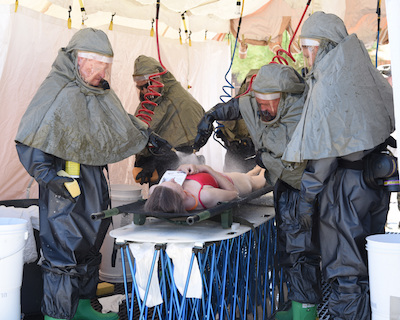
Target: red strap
(200, 199)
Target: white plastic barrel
(13, 236)
(384, 275)
(120, 194)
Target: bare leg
(246, 183)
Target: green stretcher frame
(225, 210)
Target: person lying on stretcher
(203, 188)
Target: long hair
(164, 199)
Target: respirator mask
(267, 105)
(95, 69)
(309, 47)
(151, 83)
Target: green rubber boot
(284, 315)
(50, 318)
(304, 311)
(298, 311)
(85, 311)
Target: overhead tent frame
(32, 40)
(211, 15)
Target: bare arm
(212, 196)
(223, 182)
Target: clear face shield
(143, 82)
(268, 105)
(310, 49)
(95, 68)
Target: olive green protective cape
(177, 113)
(349, 107)
(75, 121)
(276, 134)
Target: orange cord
(195, 199)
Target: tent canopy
(263, 19)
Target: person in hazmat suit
(76, 124)
(346, 123)
(240, 152)
(271, 111)
(173, 115)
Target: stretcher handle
(105, 214)
(125, 208)
(206, 214)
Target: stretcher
(224, 210)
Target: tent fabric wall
(30, 42)
(264, 25)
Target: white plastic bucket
(13, 236)
(384, 275)
(120, 194)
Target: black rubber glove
(204, 130)
(222, 111)
(259, 161)
(234, 147)
(157, 144)
(220, 134)
(148, 165)
(57, 186)
(145, 175)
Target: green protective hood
(145, 65)
(349, 107)
(273, 136)
(75, 121)
(177, 112)
(246, 81)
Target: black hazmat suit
(347, 115)
(175, 117)
(298, 242)
(68, 119)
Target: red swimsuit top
(205, 179)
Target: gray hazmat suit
(297, 240)
(298, 248)
(175, 117)
(347, 114)
(68, 119)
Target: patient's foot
(255, 171)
